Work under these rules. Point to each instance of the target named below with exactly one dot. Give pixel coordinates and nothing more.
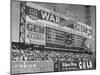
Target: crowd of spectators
(30, 54)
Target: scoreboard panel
(54, 36)
(77, 40)
(60, 39)
(63, 36)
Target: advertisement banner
(31, 66)
(65, 66)
(53, 17)
(75, 65)
(34, 32)
(85, 65)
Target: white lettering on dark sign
(50, 17)
(85, 65)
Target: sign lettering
(50, 17)
(85, 65)
(35, 28)
(35, 33)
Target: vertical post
(22, 22)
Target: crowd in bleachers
(30, 54)
(26, 55)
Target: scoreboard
(58, 38)
(77, 40)
(55, 36)
(44, 27)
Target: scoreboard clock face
(68, 38)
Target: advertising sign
(42, 13)
(81, 28)
(73, 65)
(40, 30)
(85, 65)
(31, 66)
(35, 33)
(65, 66)
(53, 17)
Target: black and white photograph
(52, 37)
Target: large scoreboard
(61, 39)
(44, 27)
